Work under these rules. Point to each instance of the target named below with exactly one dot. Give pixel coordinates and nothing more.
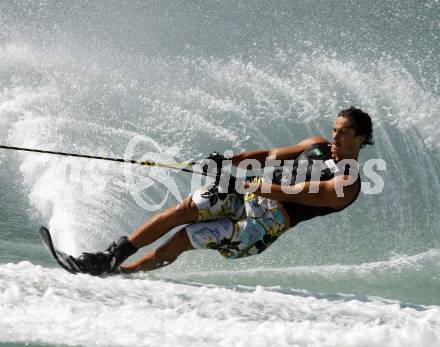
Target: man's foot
(108, 261)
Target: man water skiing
(240, 225)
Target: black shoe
(108, 261)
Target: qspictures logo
(138, 185)
(290, 174)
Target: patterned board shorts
(236, 225)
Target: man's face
(344, 142)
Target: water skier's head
(352, 130)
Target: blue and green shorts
(236, 225)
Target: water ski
(64, 260)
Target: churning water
(192, 77)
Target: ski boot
(106, 262)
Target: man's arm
(280, 153)
(325, 197)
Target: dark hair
(361, 123)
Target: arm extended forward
(335, 193)
(280, 153)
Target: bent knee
(183, 240)
(188, 208)
(178, 244)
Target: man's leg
(157, 226)
(162, 256)
(110, 260)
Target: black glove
(218, 159)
